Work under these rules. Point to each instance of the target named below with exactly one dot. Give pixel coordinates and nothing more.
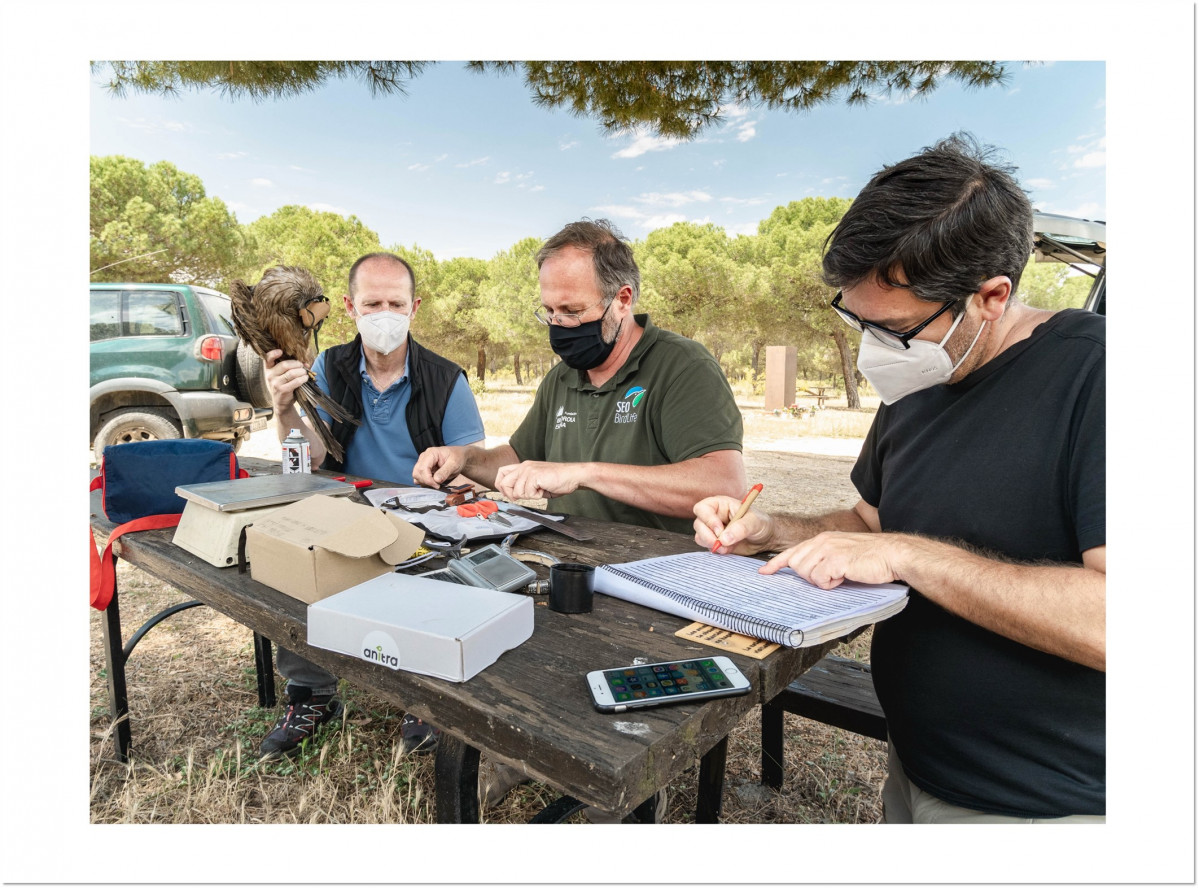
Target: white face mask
(383, 331)
(895, 373)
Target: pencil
(741, 511)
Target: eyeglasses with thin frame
(887, 337)
(568, 319)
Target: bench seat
(837, 692)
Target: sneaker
(305, 713)
(496, 780)
(417, 737)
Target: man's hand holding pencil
(725, 525)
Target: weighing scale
(217, 511)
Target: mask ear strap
(971, 348)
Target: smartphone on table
(655, 684)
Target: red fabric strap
(103, 568)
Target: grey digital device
(488, 568)
(656, 684)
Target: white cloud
(1040, 184)
(537, 188)
(743, 228)
(1092, 149)
(230, 155)
(643, 142)
(153, 126)
(262, 183)
(733, 112)
(747, 131)
(419, 167)
(744, 201)
(665, 220)
(1088, 210)
(470, 163)
(673, 199)
(300, 169)
(508, 176)
(440, 157)
(563, 145)
(642, 220)
(328, 208)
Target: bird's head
(295, 287)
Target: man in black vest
(406, 399)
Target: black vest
(431, 376)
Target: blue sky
(466, 164)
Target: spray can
(296, 457)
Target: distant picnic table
(821, 393)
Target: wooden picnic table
(532, 707)
(821, 393)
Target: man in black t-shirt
(982, 484)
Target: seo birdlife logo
(626, 407)
(379, 647)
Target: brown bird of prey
(284, 310)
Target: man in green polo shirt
(636, 424)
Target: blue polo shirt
(382, 447)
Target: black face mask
(583, 347)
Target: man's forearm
(788, 530)
(481, 463)
(672, 489)
(1059, 609)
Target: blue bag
(140, 479)
(137, 483)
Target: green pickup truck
(166, 363)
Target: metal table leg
(114, 659)
(266, 671)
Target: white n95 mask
(383, 331)
(895, 372)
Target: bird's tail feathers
(310, 398)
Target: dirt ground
(196, 725)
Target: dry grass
(196, 723)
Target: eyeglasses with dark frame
(568, 319)
(887, 337)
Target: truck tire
(251, 377)
(136, 424)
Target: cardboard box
(420, 625)
(321, 545)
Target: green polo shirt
(669, 402)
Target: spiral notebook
(727, 591)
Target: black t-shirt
(1011, 459)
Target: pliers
(483, 508)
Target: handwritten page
(728, 591)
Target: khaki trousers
(904, 802)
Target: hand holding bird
(283, 311)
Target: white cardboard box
(420, 625)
